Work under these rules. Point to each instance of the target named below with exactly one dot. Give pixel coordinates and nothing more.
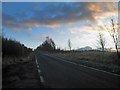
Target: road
(57, 73)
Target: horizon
(79, 22)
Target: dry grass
(109, 57)
(14, 60)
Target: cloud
(9, 21)
(84, 29)
(52, 15)
(78, 30)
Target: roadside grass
(15, 60)
(20, 73)
(95, 59)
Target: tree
(101, 41)
(48, 45)
(69, 44)
(52, 44)
(113, 31)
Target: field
(95, 59)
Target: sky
(31, 22)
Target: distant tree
(52, 44)
(48, 45)
(101, 41)
(69, 44)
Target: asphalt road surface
(56, 73)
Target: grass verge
(20, 74)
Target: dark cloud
(53, 14)
(10, 21)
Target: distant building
(87, 48)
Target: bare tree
(101, 41)
(113, 31)
(69, 44)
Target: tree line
(14, 48)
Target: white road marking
(39, 71)
(99, 70)
(85, 66)
(37, 66)
(42, 79)
(36, 60)
(91, 68)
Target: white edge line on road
(41, 77)
(92, 68)
(99, 70)
(86, 66)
